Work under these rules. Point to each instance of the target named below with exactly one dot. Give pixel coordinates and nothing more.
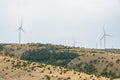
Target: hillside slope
(99, 62)
(15, 69)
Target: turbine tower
(20, 29)
(104, 37)
(100, 42)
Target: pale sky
(61, 21)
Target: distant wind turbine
(104, 37)
(20, 29)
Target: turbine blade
(21, 23)
(22, 29)
(102, 37)
(107, 35)
(18, 29)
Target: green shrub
(48, 78)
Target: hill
(16, 69)
(97, 62)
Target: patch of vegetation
(109, 74)
(88, 68)
(18, 64)
(49, 57)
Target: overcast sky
(61, 21)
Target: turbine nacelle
(20, 29)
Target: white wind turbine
(20, 29)
(104, 37)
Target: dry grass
(38, 71)
(8, 72)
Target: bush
(48, 78)
(68, 78)
(117, 61)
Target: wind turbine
(104, 37)
(20, 29)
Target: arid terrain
(57, 62)
(15, 69)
